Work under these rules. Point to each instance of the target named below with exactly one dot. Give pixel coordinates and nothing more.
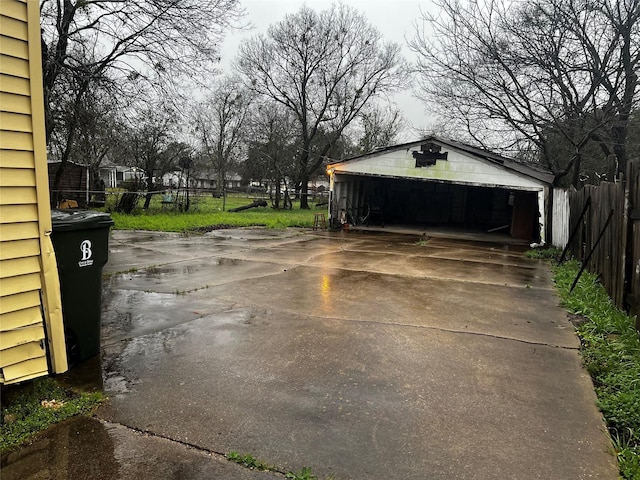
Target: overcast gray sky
(394, 19)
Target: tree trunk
(147, 200)
(304, 194)
(255, 204)
(619, 135)
(576, 171)
(219, 183)
(278, 194)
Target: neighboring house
(435, 182)
(201, 182)
(178, 179)
(114, 176)
(32, 340)
(175, 179)
(233, 181)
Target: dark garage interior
(429, 203)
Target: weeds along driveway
(362, 356)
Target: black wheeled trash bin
(81, 243)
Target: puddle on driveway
(86, 448)
(184, 268)
(131, 313)
(55, 454)
(122, 367)
(197, 273)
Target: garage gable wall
(458, 168)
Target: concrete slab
(363, 401)
(525, 314)
(185, 276)
(366, 356)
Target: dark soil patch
(211, 228)
(577, 320)
(220, 226)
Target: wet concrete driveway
(362, 356)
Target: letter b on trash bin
(85, 249)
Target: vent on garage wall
(428, 155)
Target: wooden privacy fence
(605, 235)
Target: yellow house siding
(18, 195)
(21, 249)
(24, 371)
(9, 84)
(13, 47)
(10, 102)
(18, 231)
(16, 140)
(17, 177)
(12, 27)
(22, 318)
(19, 266)
(17, 214)
(19, 301)
(51, 300)
(15, 122)
(29, 288)
(19, 10)
(20, 353)
(18, 284)
(18, 160)
(17, 67)
(21, 336)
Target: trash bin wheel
(73, 348)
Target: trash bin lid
(69, 220)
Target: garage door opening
(425, 204)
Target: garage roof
(538, 173)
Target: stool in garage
(319, 221)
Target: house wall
(109, 176)
(30, 307)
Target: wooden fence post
(632, 264)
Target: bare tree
(324, 67)
(97, 120)
(511, 74)
(94, 40)
(272, 147)
(149, 142)
(219, 125)
(622, 85)
(380, 128)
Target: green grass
(304, 474)
(249, 461)
(32, 407)
(611, 354)
(207, 212)
(550, 253)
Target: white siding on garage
(458, 168)
(560, 216)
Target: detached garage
(440, 183)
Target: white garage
(434, 182)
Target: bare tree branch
(518, 74)
(324, 67)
